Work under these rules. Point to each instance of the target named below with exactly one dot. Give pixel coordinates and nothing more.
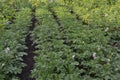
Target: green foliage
(54, 56)
(76, 39)
(90, 44)
(12, 45)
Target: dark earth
(29, 58)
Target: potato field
(59, 39)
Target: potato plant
(54, 56)
(12, 45)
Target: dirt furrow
(29, 58)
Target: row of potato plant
(12, 45)
(54, 60)
(95, 56)
(92, 54)
(104, 15)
